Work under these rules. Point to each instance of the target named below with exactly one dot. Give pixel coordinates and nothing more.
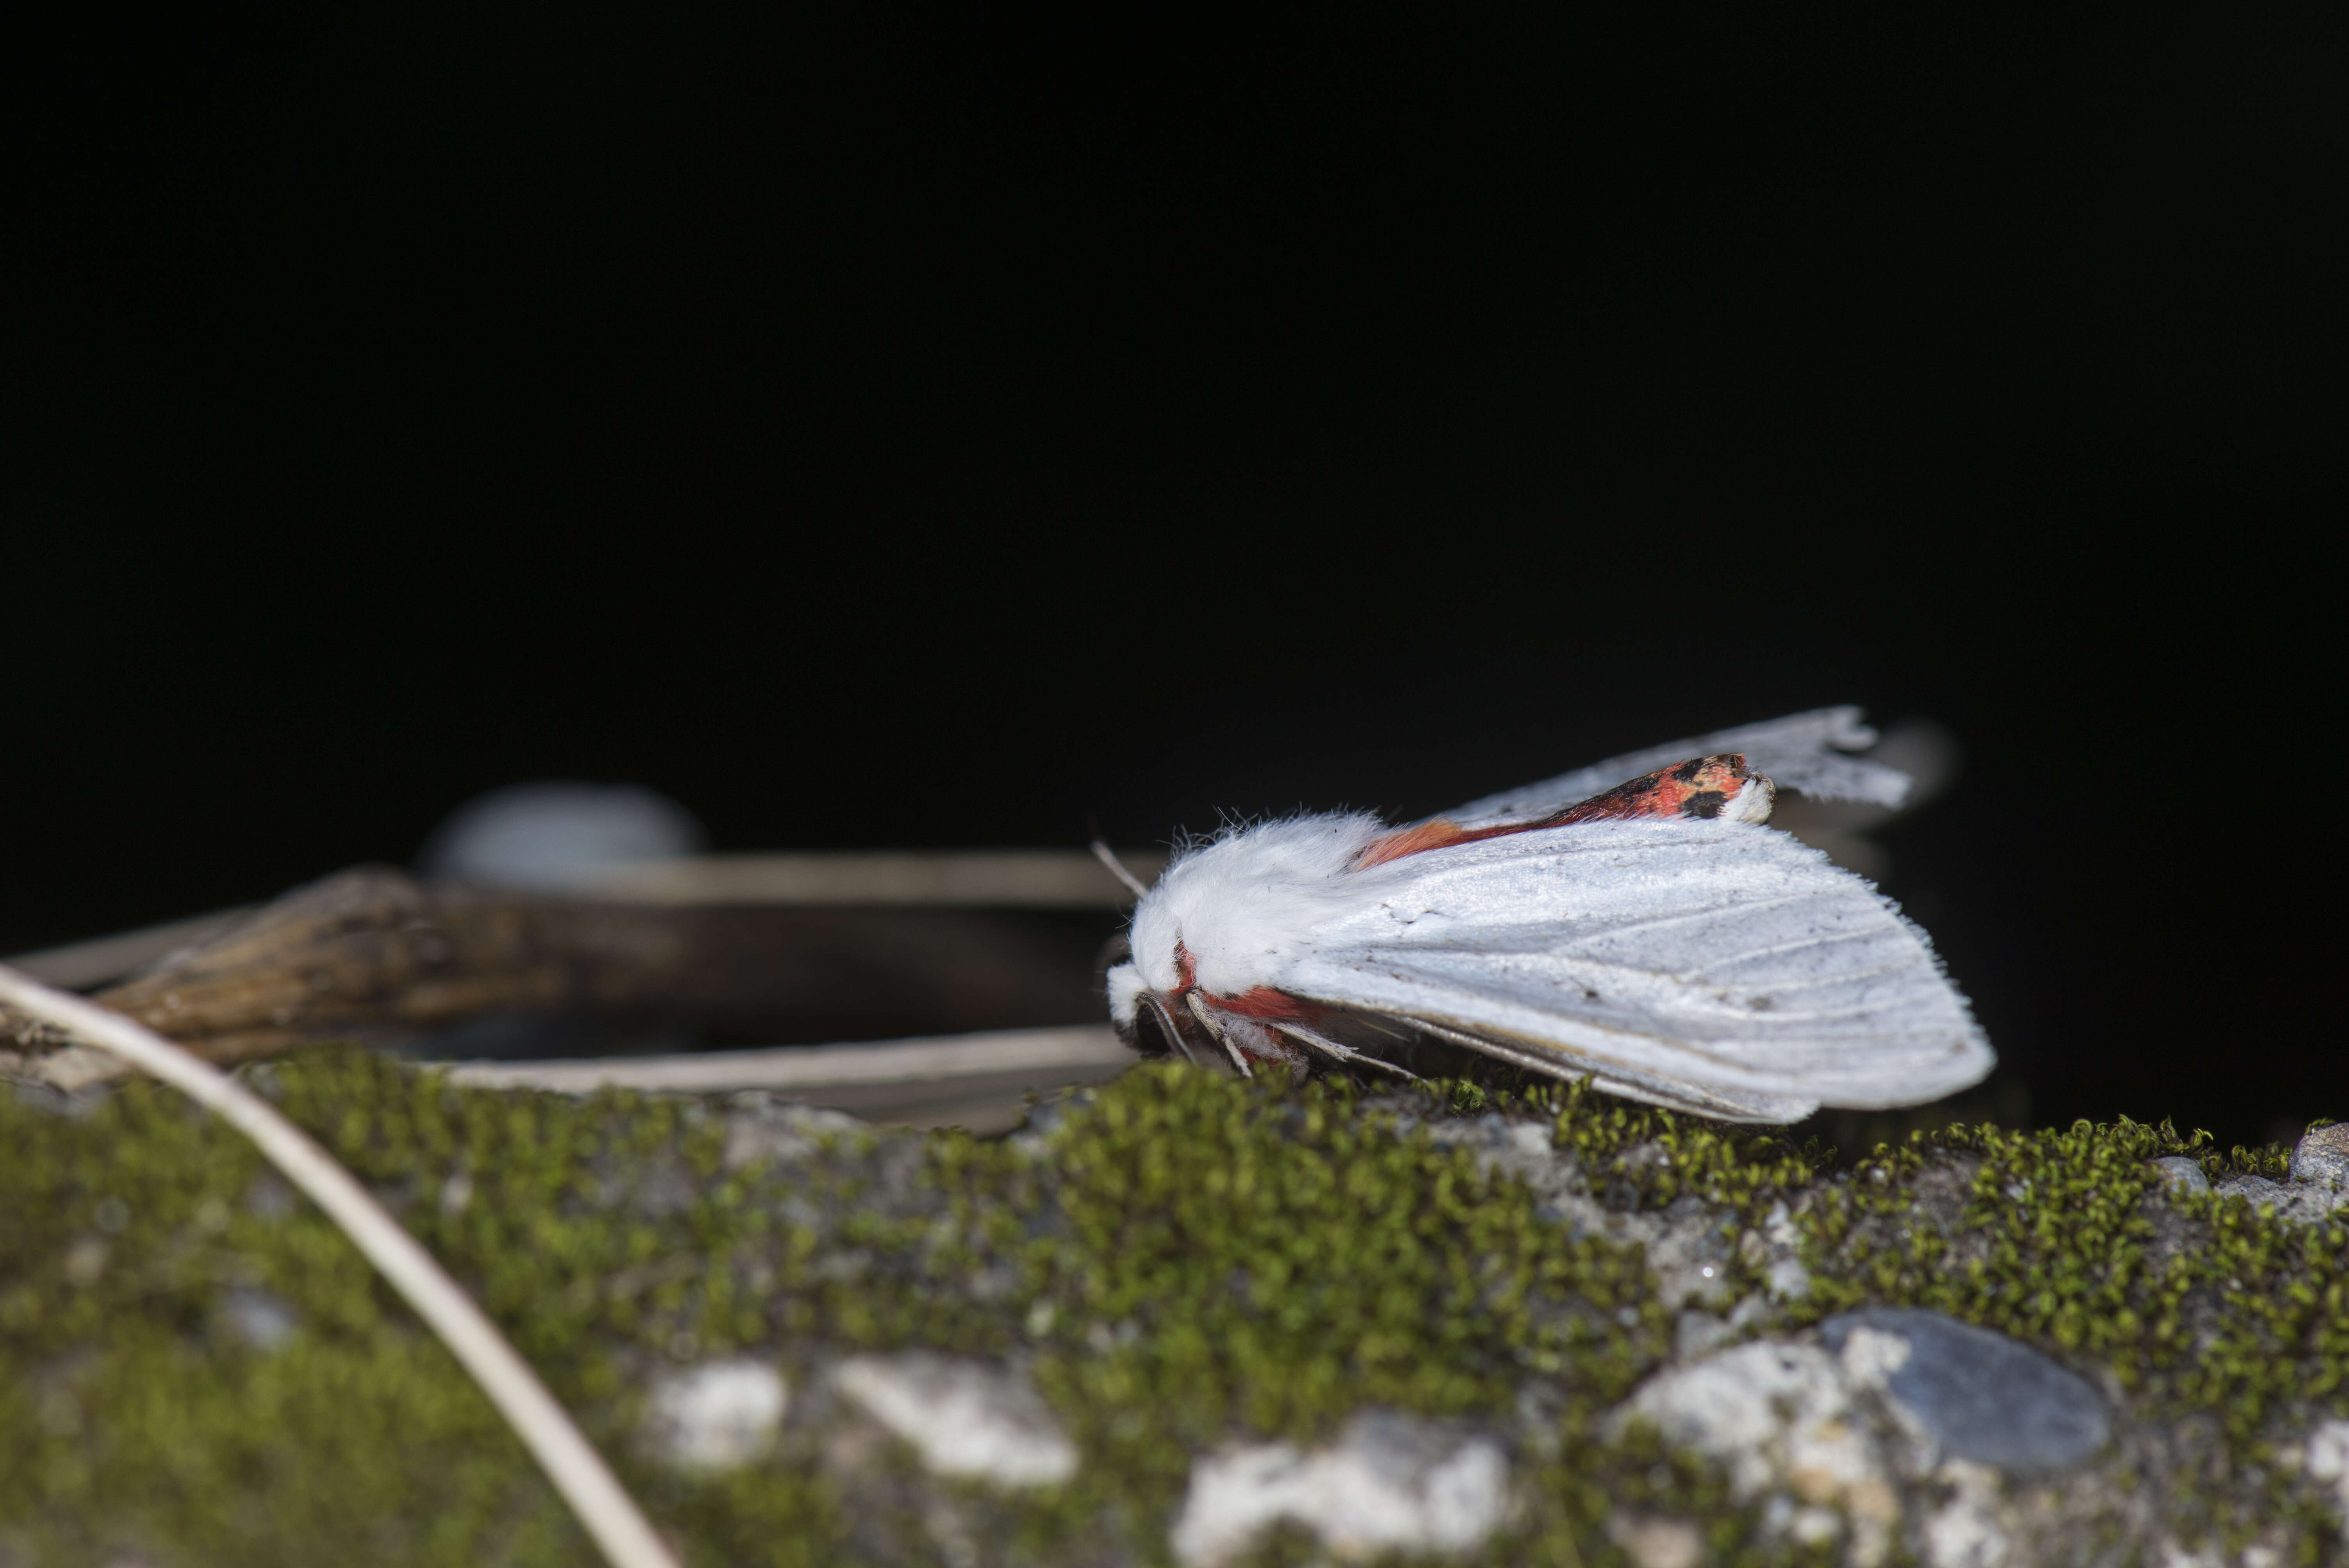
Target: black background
(940, 425)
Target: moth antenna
(1199, 1011)
(1306, 1036)
(1108, 857)
(1166, 1022)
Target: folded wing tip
(1971, 1061)
(1809, 752)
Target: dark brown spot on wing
(1700, 787)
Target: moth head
(1115, 972)
(1225, 918)
(1145, 970)
(1147, 1017)
(1126, 989)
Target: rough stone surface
(2298, 1199)
(1689, 1246)
(720, 1415)
(1651, 1543)
(1253, 1321)
(964, 1418)
(1982, 1396)
(1784, 1418)
(2256, 1189)
(2328, 1461)
(2321, 1159)
(1892, 1418)
(1388, 1485)
(763, 1126)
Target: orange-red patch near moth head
(1441, 833)
(1265, 1001)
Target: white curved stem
(578, 1472)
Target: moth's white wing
(1722, 966)
(1803, 752)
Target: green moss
(1648, 1158)
(2057, 1241)
(1286, 1258)
(1243, 1259)
(141, 1420)
(1182, 1260)
(152, 1430)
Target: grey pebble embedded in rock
(964, 1418)
(1390, 1484)
(258, 1317)
(2183, 1175)
(1983, 1396)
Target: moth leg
(1330, 1047)
(1166, 1022)
(1199, 1010)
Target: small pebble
(1983, 1396)
(1390, 1484)
(86, 1260)
(258, 1317)
(2185, 1175)
(718, 1415)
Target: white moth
(1654, 935)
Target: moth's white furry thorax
(1244, 907)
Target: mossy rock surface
(195, 1368)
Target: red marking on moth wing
(1698, 787)
(1265, 1002)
